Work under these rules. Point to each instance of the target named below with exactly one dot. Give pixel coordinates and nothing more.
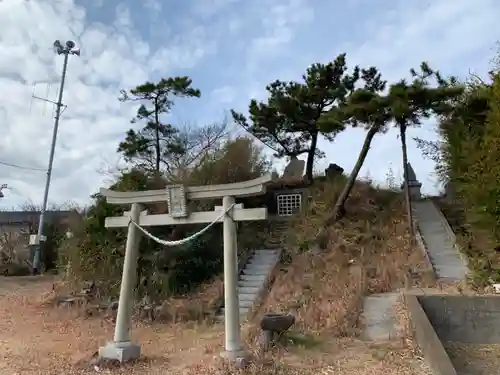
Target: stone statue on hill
(295, 169)
(333, 170)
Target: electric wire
(22, 167)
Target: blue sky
(230, 48)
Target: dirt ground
(474, 359)
(36, 339)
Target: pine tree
(288, 121)
(404, 104)
(157, 142)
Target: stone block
(120, 351)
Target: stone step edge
(257, 284)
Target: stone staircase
(449, 265)
(256, 273)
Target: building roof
(24, 217)
(288, 183)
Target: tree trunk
(157, 137)
(339, 208)
(406, 189)
(310, 158)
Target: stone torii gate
(177, 196)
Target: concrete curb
(429, 269)
(426, 338)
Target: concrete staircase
(380, 323)
(439, 241)
(252, 280)
(256, 274)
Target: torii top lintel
(249, 188)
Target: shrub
(469, 161)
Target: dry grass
(406, 335)
(374, 234)
(369, 252)
(318, 291)
(475, 243)
(402, 317)
(199, 306)
(339, 357)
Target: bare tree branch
(197, 143)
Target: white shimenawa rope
(185, 240)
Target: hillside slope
(369, 251)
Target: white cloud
(152, 5)
(185, 51)
(209, 8)
(231, 48)
(97, 3)
(113, 57)
(223, 95)
(279, 26)
(440, 32)
(454, 36)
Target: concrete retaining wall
(427, 339)
(467, 319)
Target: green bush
(469, 161)
(55, 233)
(483, 187)
(96, 253)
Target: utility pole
(67, 50)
